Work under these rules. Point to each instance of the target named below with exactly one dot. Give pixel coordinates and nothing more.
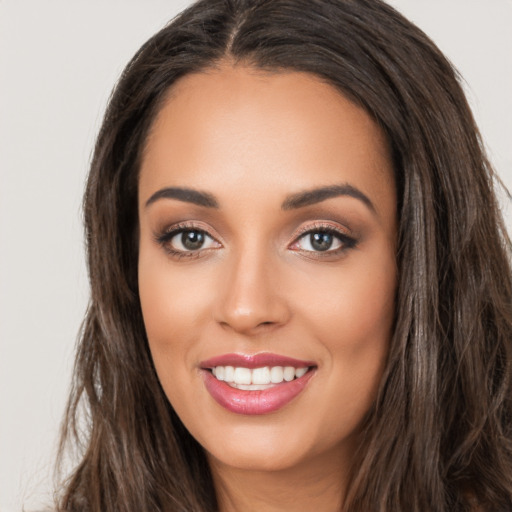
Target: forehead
(242, 129)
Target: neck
(318, 484)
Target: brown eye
(192, 240)
(319, 241)
(188, 240)
(323, 240)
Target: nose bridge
(250, 297)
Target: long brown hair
(439, 435)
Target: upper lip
(254, 361)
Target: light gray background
(58, 63)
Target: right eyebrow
(186, 195)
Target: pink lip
(247, 402)
(254, 361)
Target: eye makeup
(317, 240)
(190, 237)
(321, 236)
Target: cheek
(171, 310)
(352, 316)
(172, 295)
(170, 302)
(352, 306)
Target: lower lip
(263, 401)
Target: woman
(301, 289)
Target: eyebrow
(186, 195)
(292, 202)
(317, 195)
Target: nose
(252, 300)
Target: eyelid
(186, 226)
(322, 226)
(348, 240)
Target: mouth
(255, 384)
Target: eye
(186, 241)
(191, 240)
(318, 241)
(323, 240)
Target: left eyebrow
(317, 195)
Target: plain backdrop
(59, 60)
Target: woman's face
(267, 264)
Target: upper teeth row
(265, 375)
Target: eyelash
(164, 238)
(347, 242)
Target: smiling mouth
(255, 384)
(256, 379)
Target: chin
(258, 457)
(269, 446)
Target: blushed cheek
(354, 314)
(158, 301)
(161, 293)
(175, 306)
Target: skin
(251, 139)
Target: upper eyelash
(169, 233)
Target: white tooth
(276, 374)
(219, 372)
(261, 375)
(213, 371)
(299, 372)
(242, 375)
(229, 374)
(289, 373)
